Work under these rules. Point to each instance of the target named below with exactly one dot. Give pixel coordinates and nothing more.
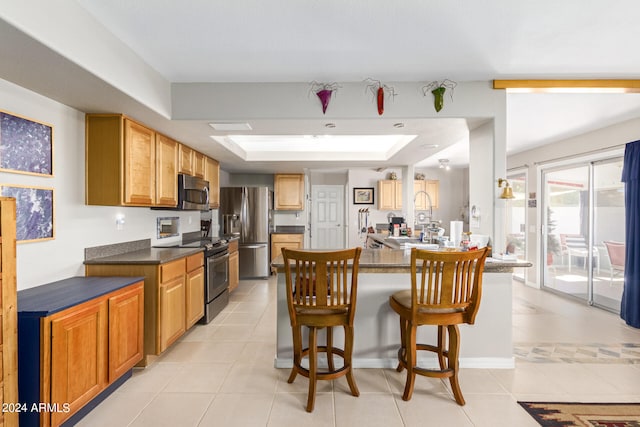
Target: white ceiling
(412, 40)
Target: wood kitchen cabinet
(289, 192)
(120, 157)
(212, 174)
(79, 338)
(432, 187)
(166, 171)
(234, 265)
(390, 194)
(199, 162)
(173, 298)
(289, 241)
(8, 315)
(185, 160)
(194, 291)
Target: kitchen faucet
(415, 196)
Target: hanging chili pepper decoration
(379, 91)
(438, 90)
(380, 100)
(324, 91)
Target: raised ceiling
(348, 41)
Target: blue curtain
(630, 305)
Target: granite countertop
(146, 256)
(288, 229)
(399, 261)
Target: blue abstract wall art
(34, 211)
(26, 146)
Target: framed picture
(26, 146)
(34, 211)
(363, 196)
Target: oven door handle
(252, 246)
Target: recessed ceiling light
(398, 125)
(330, 125)
(230, 126)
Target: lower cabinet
(234, 265)
(72, 351)
(174, 298)
(289, 241)
(194, 290)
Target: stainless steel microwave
(193, 193)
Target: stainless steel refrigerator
(245, 212)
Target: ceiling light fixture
(444, 164)
(330, 125)
(568, 86)
(398, 125)
(230, 126)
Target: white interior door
(327, 217)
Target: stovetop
(209, 244)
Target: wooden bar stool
(321, 294)
(447, 294)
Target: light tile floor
(222, 374)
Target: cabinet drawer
(172, 270)
(287, 238)
(195, 261)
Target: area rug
(562, 414)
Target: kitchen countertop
(288, 229)
(146, 256)
(399, 261)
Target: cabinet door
(289, 241)
(398, 195)
(126, 327)
(198, 164)
(420, 198)
(433, 188)
(172, 311)
(234, 270)
(185, 160)
(166, 171)
(78, 357)
(212, 173)
(289, 192)
(194, 296)
(386, 194)
(139, 165)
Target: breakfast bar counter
(487, 344)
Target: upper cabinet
(185, 160)
(120, 157)
(289, 192)
(431, 187)
(166, 171)
(129, 164)
(390, 194)
(212, 174)
(199, 161)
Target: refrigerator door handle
(253, 246)
(243, 214)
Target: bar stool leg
(297, 351)
(402, 352)
(411, 354)
(313, 367)
(454, 349)
(330, 348)
(442, 342)
(348, 352)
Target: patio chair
(616, 251)
(575, 245)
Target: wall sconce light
(444, 164)
(507, 192)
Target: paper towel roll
(455, 232)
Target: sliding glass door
(583, 215)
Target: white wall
(77, 226)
